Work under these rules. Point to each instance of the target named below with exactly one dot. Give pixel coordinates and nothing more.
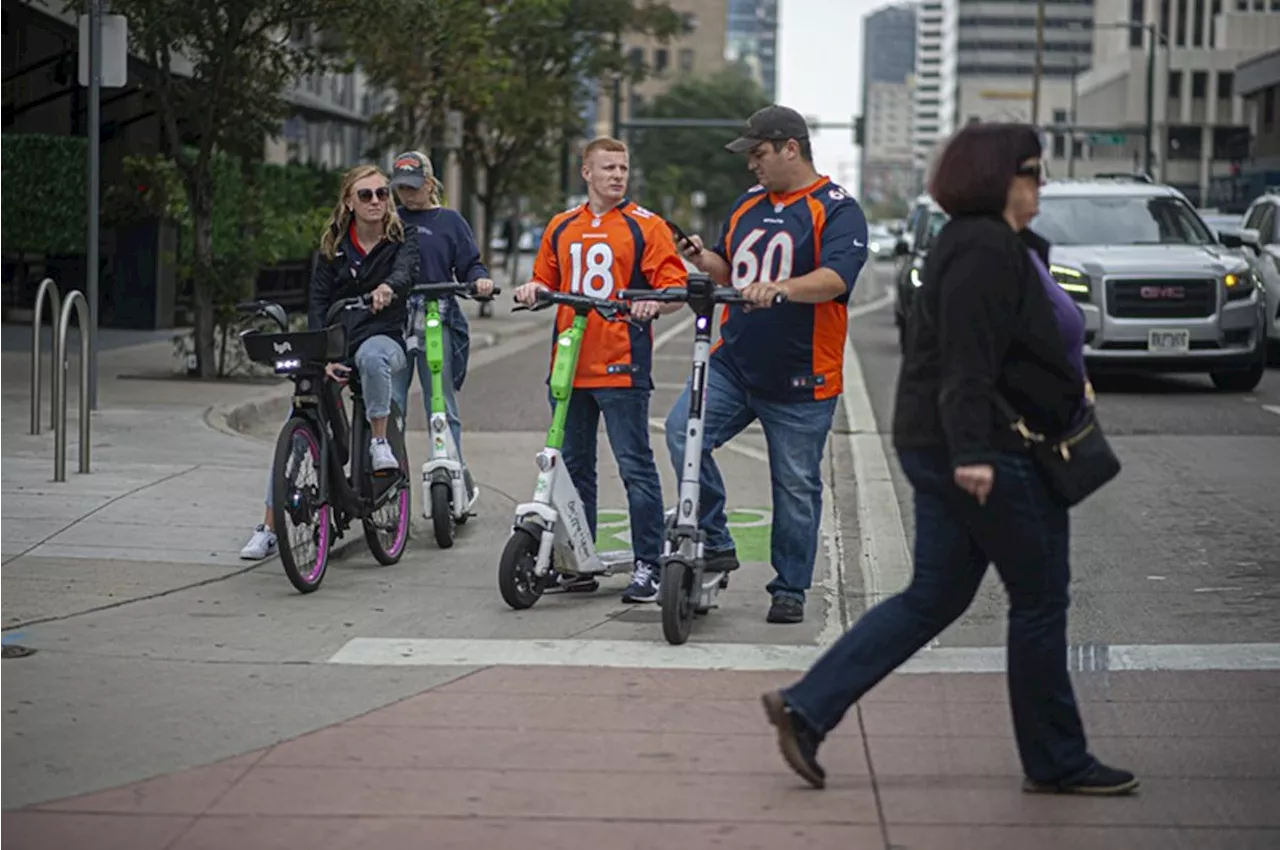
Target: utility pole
(1149, 136)
(1071, 138)
(1035, 82)
(95, 194)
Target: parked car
(1261, 233)
(1158, 289)
(923, 225)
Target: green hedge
(44, 193)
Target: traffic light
(859, 131)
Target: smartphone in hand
(681, 236)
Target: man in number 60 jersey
(799, 234)
(598, 249)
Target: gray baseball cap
(771, 124)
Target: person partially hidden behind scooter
(448, 251)
(798, 234)
(605, 245)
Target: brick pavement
(670, 758)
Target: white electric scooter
(551, 536)
(444, 487)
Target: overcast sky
(820, 72)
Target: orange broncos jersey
(626, 248)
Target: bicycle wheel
(387, 529)
(302, 523)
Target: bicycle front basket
(288, 351)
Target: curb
(238, 419)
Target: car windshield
(1110, 220)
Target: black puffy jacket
(351, 273)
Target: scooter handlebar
(452, 287)
(719, 295)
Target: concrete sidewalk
(559, 758)
(174, 488)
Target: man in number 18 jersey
(799, 234)
(598, 249)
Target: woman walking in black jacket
(988, 319)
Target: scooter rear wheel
(517, 582)
(673, 596)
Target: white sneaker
(383, 458)
(260, 545)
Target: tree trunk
(200, 194)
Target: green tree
(428, 53)
(679, 162)
(543, 56)
(220, 70)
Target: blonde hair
(340, 218)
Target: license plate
(1169, 342)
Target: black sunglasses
(367, 195)
(1035, 170)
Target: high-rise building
(1200, 130)
(934, 84)
(751, 39)
(886, 173)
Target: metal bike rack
(46, 285)
(80, 303)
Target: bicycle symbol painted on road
(750, 528)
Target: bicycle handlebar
(359, 302)
(452, 287)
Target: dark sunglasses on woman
(367, 195)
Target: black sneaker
(786, 609)
(561, 583)
(796, 738)
(721, 560)
(1100, 781)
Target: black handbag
(1074, 463)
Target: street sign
(1100, 139)
(115, 51)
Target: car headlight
(1239, 284)
(1072, 280)
(915, 278)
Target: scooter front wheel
(442, 514)
(517, 582)
(673, 596)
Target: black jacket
(982, 323)
(348, 274)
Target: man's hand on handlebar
(381, 297)
(484, 287)
(643, 311)
(763, 294)
(337, 372)
(526, 293)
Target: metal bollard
(81, 305)
(46, 285)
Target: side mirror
(900, 248)
(1251, 237)
(1230, 239)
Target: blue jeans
(419, 359)
(380, 362)
(796, 433)
(1025, 531)
(626, 421)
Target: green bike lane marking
(750, 528)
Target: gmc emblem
(1153, 293)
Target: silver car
(1158, 290)
(1261, 232)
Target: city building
(326, 126)
(698, 51)
(887, 165)
(933, 87)
(751, 40)
(1257, 83)
(1200, 132)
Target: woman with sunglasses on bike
(365, 250)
